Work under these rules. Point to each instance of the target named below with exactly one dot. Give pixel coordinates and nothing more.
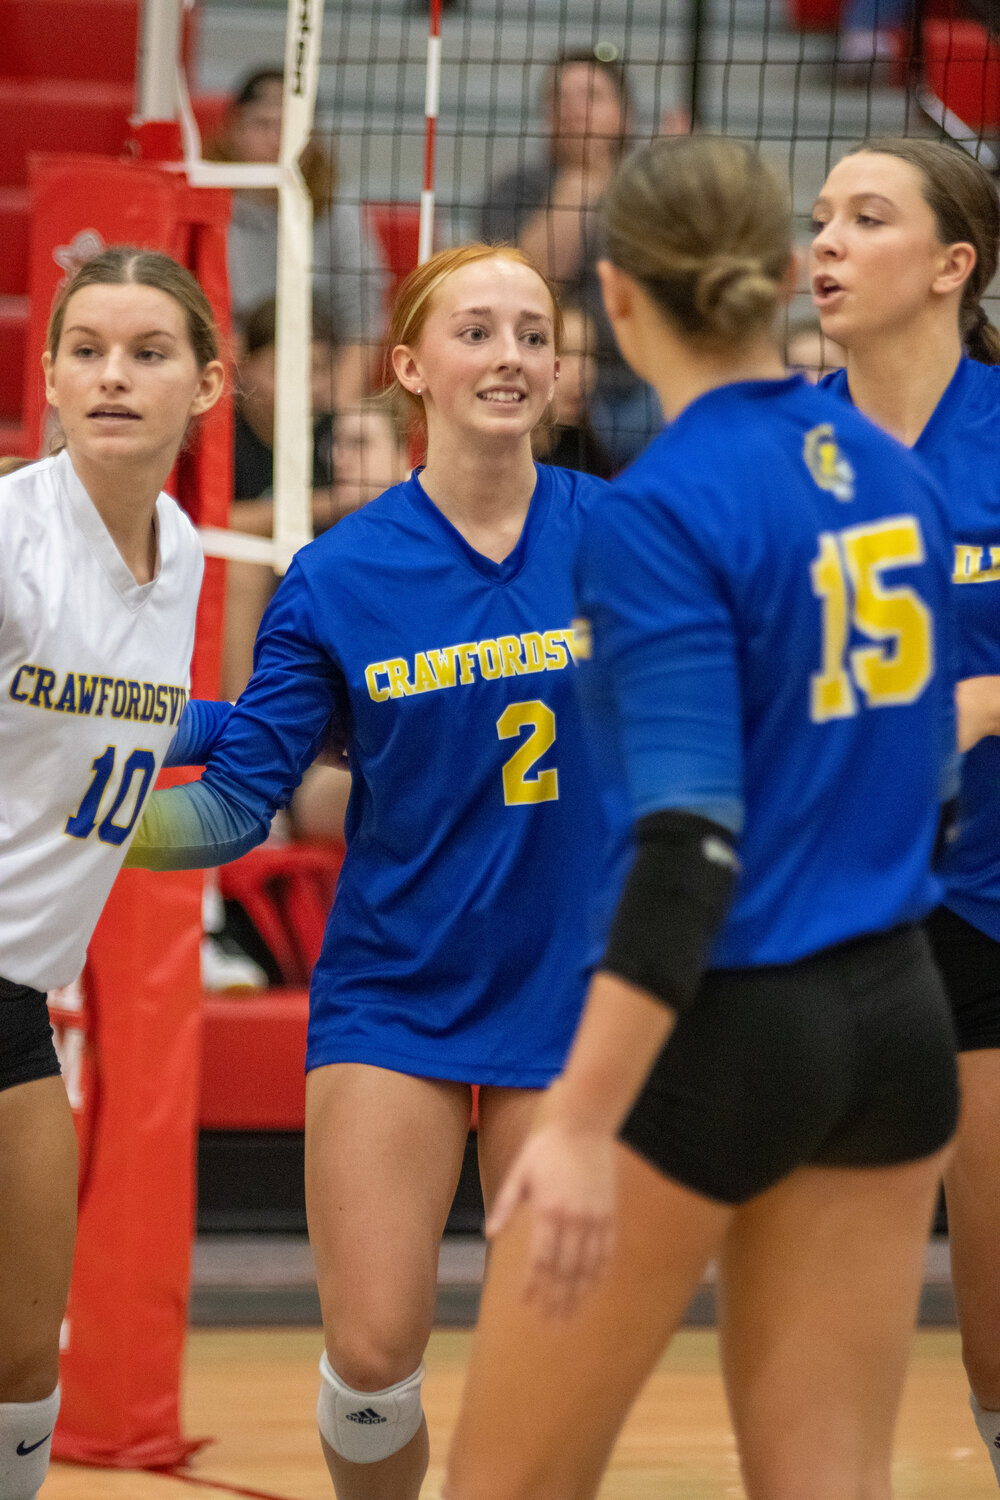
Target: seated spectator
(249, 586)
(571, 442)
(348, 269)
(549, 209)
(808, 350)
(367, 453)
(872, 35)
(254, 429)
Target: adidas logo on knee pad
(367, 1416)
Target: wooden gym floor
(254, 1391)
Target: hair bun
(732, 291)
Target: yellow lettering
(372, 672)
(400, 685)
(490, 660)
(467, 654)
(555, 650)
(968, 561)
(424, 680)
(443, 663)
(510, 655)
(534, 651)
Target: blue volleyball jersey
(458, 939)
(768, 601)
(961, 447)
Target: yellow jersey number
(518, 786)
(847, 579)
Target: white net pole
(159, 51)
(432, 94)
(293, 441)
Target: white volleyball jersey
(94, 676)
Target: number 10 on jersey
(847, 578)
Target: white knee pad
(365, 1426)
(25, 1445)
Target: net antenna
(431, 98)
(293, 441)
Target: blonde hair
(412, 302)
(10, 465)
(703, 225)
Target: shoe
(226, 969)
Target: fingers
(567, 1254)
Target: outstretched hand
(566, 1177)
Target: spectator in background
(808, 350)
(367, 453)
(255, 407)
(249, 586)
(348, 268)
(571, 442)
(872, 35)
(549, 209)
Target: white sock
(25, 1445)
(988, 1423)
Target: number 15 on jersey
(897, 662)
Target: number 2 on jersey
(518, 786)
(140, 763)
(846, 577)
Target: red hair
(412, 304)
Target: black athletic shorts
(970, 967)
(27, 1051)
(846, 1058)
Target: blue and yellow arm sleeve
(194, 827)
(201, 727)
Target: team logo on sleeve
(825, 462)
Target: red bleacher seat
(14, 235)
(253, 1054)
(63, 39)
(287, 890)
(814, 15)
(962, 68)
(397, 229)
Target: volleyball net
(435, 113)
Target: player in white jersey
(99, 580)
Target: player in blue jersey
(906, 245)
(99, 580)
(767, 599)
(431, 634)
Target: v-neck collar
(100, 541)
(497, 572)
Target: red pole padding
(131, 1035)
(123, 1338)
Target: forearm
(201, 727)
(622, 1031)
(193, 827)
(977, 701)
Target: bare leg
(821, 1277)
(545, 1397)
(38, 1173)
(383, 1156)
(505, 1116)
(972, 1186)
